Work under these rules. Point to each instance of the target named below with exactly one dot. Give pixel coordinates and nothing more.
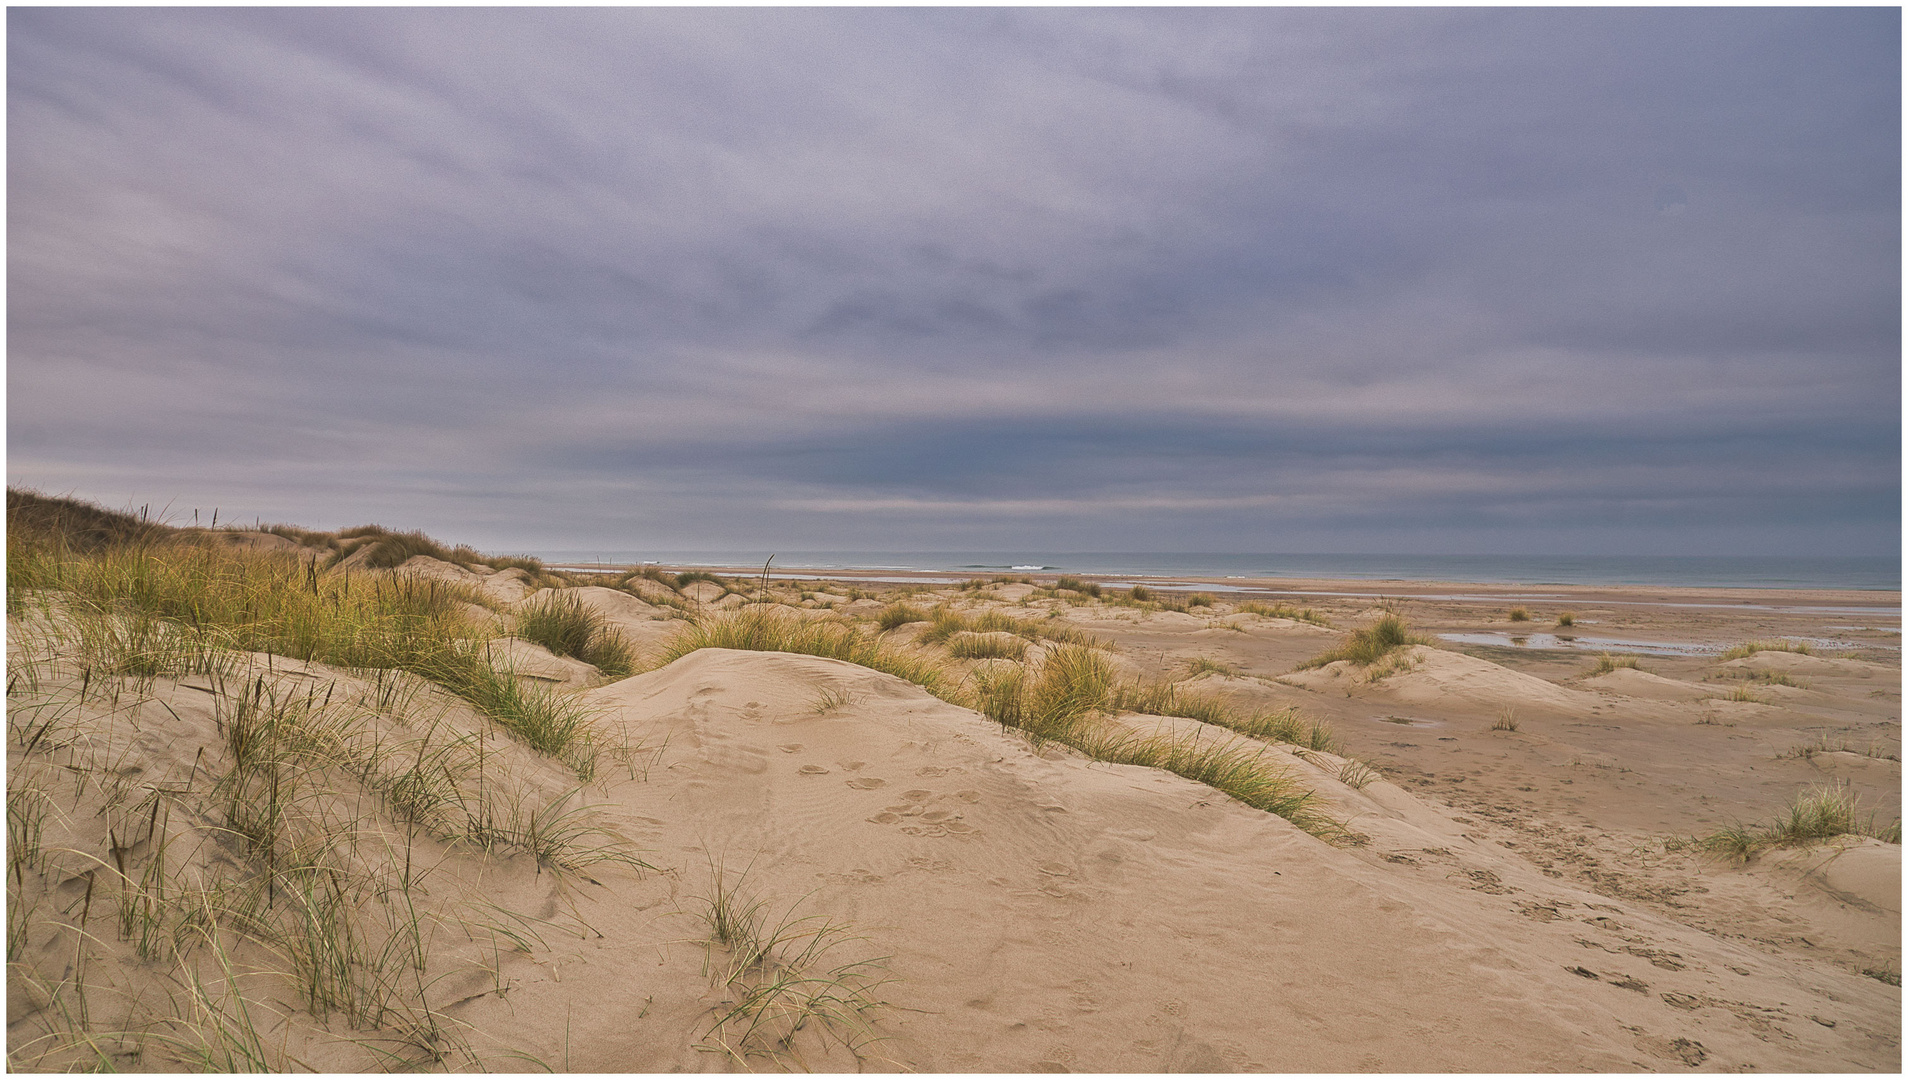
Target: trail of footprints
(921, 811)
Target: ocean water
(1718, 571)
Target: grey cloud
(958, 252)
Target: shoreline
(1878, 602)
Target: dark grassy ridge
(120, 574)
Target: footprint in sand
(866, 783)
(812, 770)
(790, 748)
(852, 766)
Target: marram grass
(222, 599)
(1370, 644)
(765, 629)
(1062, 701)
(1819, 813)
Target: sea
(1868, 573)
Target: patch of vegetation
(1200, 599)
(1202, 665)
(1607, 663)
(1140, 594)
(307, 910)
(1750, 648)
(1282, 611)
(563, 624)
(76, 526)
(764, 629)
(1371, 644)
(1357, 775)
(1506, 719)
(784, 982)
(899, 615)
(1820, 813)
(1064, 701)
(1068, 583)
(1519, 614)
(947, 622)
(1828, 743)
(184, 599)
(1566, 618)
(987, 646)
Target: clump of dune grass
(1200, 599)
(946, 623)
(1519, 614)
(1506, 719)
(1237, 769)
(1073, 683)
(1282, 611)
(1820, 813)
(1566, 618)
(987, 646)
(1607, 663)
(563, 624)
(1371, 644)
(1828, 743)
(1140, 594)
(1750, 648)
(1356, 774)
(765, 629)
(1204, 665)
(1068, 583)
(784, 980)
(1763, 675)
(1746, 695)
(1062, 701)
(898, 614)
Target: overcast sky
(1493, 281)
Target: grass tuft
(1607, 663)
(765, 629)
(1519, 614)
(1566, 618)
(1282, 611)
(563, 624)
(1062, 701)
(987, 646)
(1820, 813)
(1750, 648)
(899, 615)
(1370, 644)
(1074, 584)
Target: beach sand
(939, 894)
